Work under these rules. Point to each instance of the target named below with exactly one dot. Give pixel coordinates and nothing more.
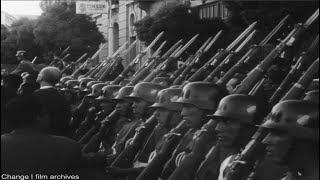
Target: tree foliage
(178, 22)
(58, 27)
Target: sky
(26, 7)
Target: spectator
(28, 150)
(54, 104)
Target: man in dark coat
(27, 150)
(55, 105)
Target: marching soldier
(24, 65)
(199, 99)
(293, 138)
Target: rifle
(250, 54)
(187, 66)
(257, 72)
(106, 125)
(106, 62)
(93, 129)
(150, 59)
(82, 66)
(65, 51)
(172, 57)
(126, 157)
(74, 63)
(146, 67)
(220, 55)
(229, 59)
(34, 59)
(192, 161)
(115, 63)
(247, 158)
(135, 61)
(286, 82)
(154, 168)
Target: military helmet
(166, 99)
(312, 96)
(90, 84)
(96, 90)
(63, 80)
(146, 91)
(202, 95)
(123, 93)
(163, 81)
(109, 92)
(242, 108)
(70, 84)
(298, 118)
(20, 53)
(83, 82)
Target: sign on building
(83, 7)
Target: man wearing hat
(293, 138)
(24, 65)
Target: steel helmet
(109, 92)
(166, 99)
(146, 91)
(63, 80)
(96, 90)
(299, 118)
(90, 84)
(70, 84)
(312, 96)
(123, 93)
(242, 108)
(163, 81)
(20, 53)
(202, 95)
(83, 82)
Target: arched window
(115, 37)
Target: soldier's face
(192, 115)
(162, 116)
(227, 131)
(19, 57)
(123, 107)
(106, 106)
(278, 145)
(139, 107)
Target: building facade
(7, 19)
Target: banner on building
(83, 7)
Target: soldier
(142, 96)
(168, 116)
(199, 99)
(293, 138)
(237, 117)
(93, 111)
(24, 65)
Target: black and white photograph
(159, 90)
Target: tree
(178, 22)
(59, 26)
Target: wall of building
(7, 19)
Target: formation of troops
(230, 119)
